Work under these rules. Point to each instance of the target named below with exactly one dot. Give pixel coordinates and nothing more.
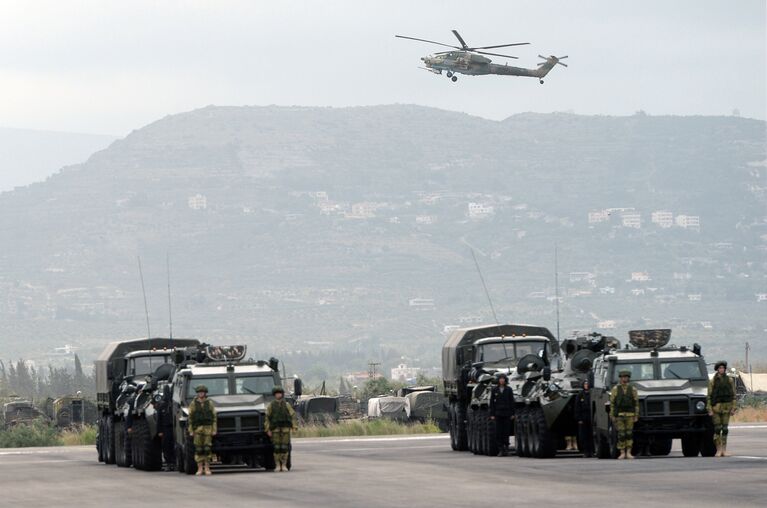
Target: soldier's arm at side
(266, 419)
(734, 396)
(215, 418)
(636, 401)
(709, 407)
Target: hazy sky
(109, 67)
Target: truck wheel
(707, 446)
(545, 441)
(100, 439)
(149, 449)
(690, 445)
(180, 462)
(520, 433)
(460, 428)
(471, 432)
(268, 461)
(109, 440)
(601, 445)
(661, 447)
(190, 466)
(453, 426)
(122, 446)
(492, 444)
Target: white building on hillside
(598, 216)
(688, 222)
(631, 220)
(663, 218)
(197, 202)
(480, 211)
(404, 373)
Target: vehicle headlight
(700, 406)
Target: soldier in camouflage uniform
(721, 405)
(280, 421)
(202, 428)
(624, 412)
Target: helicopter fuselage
(471, 64)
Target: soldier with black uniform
(583, 417)
(502, 412)
(280, 421)
(624, 412)
(202, 428)
(721, 405)
(165, 431)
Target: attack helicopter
(465, 59)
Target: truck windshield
(216, 385)
(640, 371)
(261, 385)
(143, 365)
(243, 385)
(681, 370)
(495, 352)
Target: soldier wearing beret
(280, 421)
(721, 405)
(624, 412)
(202, 428)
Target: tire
(149, 456)
(707, 446)
(661, 447)
(100, 439)
(612, 440)
(122, 446)
(492, 443)
(691, 445)
(460, 425)
(472, 439)
(187, 456)
(109, 440)
(601, 445)
(520, 433)
(545, 441)
(180, 462)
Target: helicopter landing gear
(449, 74)
(454, 79)
(540, 81)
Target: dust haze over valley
(332, 236)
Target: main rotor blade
(425, 40)
(495, 54)
(460, 39)
(502, 45)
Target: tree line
(22, 379)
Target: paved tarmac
(406, 471)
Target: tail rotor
(553, 60)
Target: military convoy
(672, 384)
(546, 377)
(135, 377)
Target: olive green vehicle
(71, 410)
(122, 369)
(471, 358)
(672, 384)
(240, 390)
(21, 412)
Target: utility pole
(748, 366)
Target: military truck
(672, 384)
(21, 412)
(71, 410)
(240, 390)
(317, 409)
(121, 369)
(471, 357)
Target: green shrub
(79, 436)
(33, 434)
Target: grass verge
(377, 427)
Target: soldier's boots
(207, 469)
(724, 451)
(622, 455)
(628, 454)
(199, 470)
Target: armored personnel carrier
(121, 370)
(21, 412)
(471, 357)
(240, 390)
(672, 384)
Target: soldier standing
(583, 417)
(721, 405)
(624, 411)
(202, 428)
(502, 412)
(280, 421)
(165, 432)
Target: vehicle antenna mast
(146, 308)
(487, 293)
(170, 311)
(556, 283)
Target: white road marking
(738, 427)
(369, 439)
(751, 457)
